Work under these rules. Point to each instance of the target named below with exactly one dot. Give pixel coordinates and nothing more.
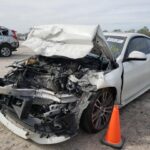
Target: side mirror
(136, 56)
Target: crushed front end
(44, 94)
(43, 97)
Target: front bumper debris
(25, 134)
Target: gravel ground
(135, 124)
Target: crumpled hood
(72, 41)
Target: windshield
(116, 44)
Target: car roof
(123, 34)
(3, 28)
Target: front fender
(111, 79)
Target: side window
(148, 42)
(5, 32)
(138, 44)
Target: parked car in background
(22, 36)
(8, 42)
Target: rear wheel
(5, 50)
(97, 115)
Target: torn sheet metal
(90, 81)
(72, 41)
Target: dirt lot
(135, 121)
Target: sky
(110, 14)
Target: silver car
(8, 42)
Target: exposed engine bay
(60, 75)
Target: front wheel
(97, 115)
(5, 51)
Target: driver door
(136, 73)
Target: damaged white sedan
(72, 81)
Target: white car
(132, 54)
(73, 80)
(8, 41)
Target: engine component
(53, 73)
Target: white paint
(13, 127)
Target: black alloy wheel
(97, 115)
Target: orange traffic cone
(113, 135)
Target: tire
(5, 50)
(97, 115)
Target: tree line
(145, 30)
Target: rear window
(5, 32)
(116, 44)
